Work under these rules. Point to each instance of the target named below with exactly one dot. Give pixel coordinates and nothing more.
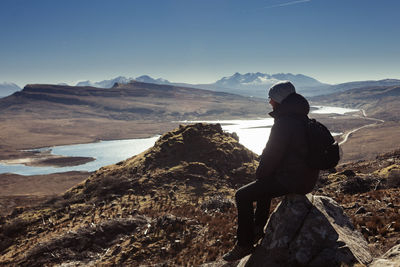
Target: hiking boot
(258, 233)
(238, 252)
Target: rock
(356, 184)
(217, 204)
(309, 231)
(390, 259)
(348, 173)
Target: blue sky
(197, 41)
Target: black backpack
(323, 149)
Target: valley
(50, 115)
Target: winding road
(364, 115)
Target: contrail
(288, 3)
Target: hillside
(132, 101)
(381, 102)
(380, 105)
(173, 205)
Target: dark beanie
(280, 90)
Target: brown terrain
(22, 191)
(124, 198)
(380, 105)
(173, 205)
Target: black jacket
(284, 156)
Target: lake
(105, 153)
(253, 134)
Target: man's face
(273, 103)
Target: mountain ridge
(253, 84)
(134, 100)
(256, 83)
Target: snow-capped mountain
(248, 79)
(105, 83)
(122, 80)
(8, 89)
(256, 84)
(249, 84)
(148, 79)
(258, 78)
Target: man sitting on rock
(282, 169)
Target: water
(332, 110)
(105, 153)
(253, 134)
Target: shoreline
(343, 123)
(46, 159)
(33, 157)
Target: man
(282, 168)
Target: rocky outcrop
(389, 259)
(309, 231)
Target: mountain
(122, 80)
(134, 100)
(8, 89)
(106, 83)
(256, 84)
(148, 79)
(249, 84)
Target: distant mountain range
(123, 80)
(248, 84)
(253, 84)
(256, 84)
(8, 88)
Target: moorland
(46, 115)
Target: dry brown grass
(368, 142)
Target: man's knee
(240, 195)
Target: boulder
(309, 231)
(390, 259)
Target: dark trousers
(262, 192)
